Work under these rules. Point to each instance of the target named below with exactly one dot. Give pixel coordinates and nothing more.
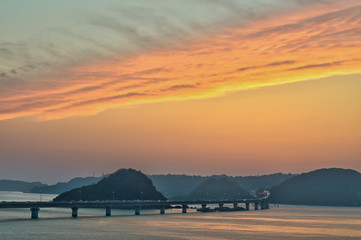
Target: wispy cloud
(267, 51)
(177, 87)
(320, 65)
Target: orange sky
(263, 53)
(289, 128)
(278, 93)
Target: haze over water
(285, 222)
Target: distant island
(61, 187)
(19, 186)
(217, 188)
(327, 187)
(176, 185)
(255, 184)
(124, 184)
(170, 185)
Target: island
(124, 184)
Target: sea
(282, 222)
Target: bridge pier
(256, 206)
(74, 212)
(162, 210)
(262, 205)
(204, 206)
(247, 206)
(108, 211)
(34, 212)
(220, 205)
(184, 208)
(235, 205)
(137, 210)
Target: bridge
(137, 205)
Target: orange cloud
(292, 48)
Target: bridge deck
(115, 203)
(137, 205)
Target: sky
(196, 87)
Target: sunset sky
(175, 86)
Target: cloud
(269, 50)
(286, 62)
(312, 66)
(101, 100)
(176, 87)
(130, 33)
(5, 52)
(272, 64)
(153, 70)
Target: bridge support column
(74, 212)
(220, 205)
(34, 212)
(108, 211)
(256, 206)
(247, 206)
(184, 208)
(204, 205)
(137, 210)
(162, 210)
(235, 205)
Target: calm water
(285, 222)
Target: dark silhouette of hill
(217, 188)
(19, 186)
(169, 185)
(61, 187)
(331, 187)
(127, 184)
(172, 185)
(256, 183)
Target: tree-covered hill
(19, 186)
(124, 184)
(333, 187)
(61, 187)
(218, 188)
(174, 185)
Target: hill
(172, 185)
(218, 188)
(18, 186)
(169, 185)
(331, 187)
(124, 184)
(256, 183)
(61, 187)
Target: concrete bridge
(259, 203)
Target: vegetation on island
(175, 185)
(332, 187)
(328, 187)
(217, 188)
(124, 184)
(18, 186)
(61, 187)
